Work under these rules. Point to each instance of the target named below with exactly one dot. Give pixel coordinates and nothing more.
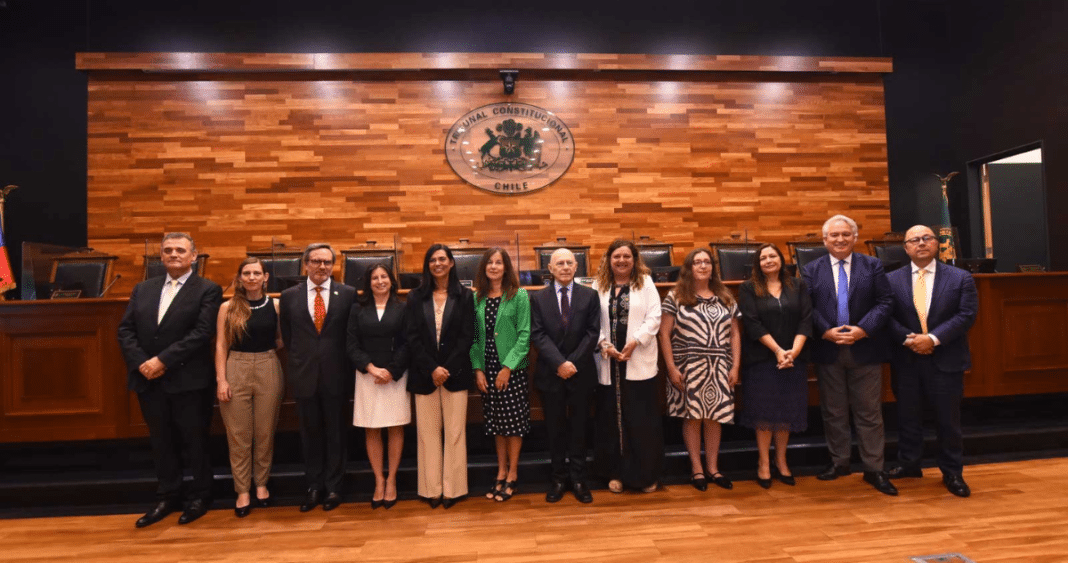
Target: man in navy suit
(850, 306)
(934, 307)
(166, 340)
(565, 324)
(314, 319)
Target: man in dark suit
(934, 307)
(314, 318)
(565, 323)
(166, 340)
(850, 306)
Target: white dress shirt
(181, 283)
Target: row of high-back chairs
(91, 274)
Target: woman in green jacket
(502, 310)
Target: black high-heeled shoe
(785, 479)
(377, 503)
(388, 504)
(263, 502)
(495, 489)
(764, 483)
(243, 511)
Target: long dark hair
(368, 296)
(760, 281)
(426, 286)
(510, 282)
(686, 289)
(240, 311)
(605, 277)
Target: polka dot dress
(507, 412)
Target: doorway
(1012, 192)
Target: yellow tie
(919, 299)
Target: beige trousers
(251, 415)
(442, 465)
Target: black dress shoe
(242, 511)
(159, 512)
(332, 501)
(194, 511)
(556, 491)
(582, 493)
(881, 482)
(699, 482)
(434, 502)
(956, 485)
(904, 471)
(313, 498)
(720, 480)
(451, 502)
(833, 472)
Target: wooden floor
(1018, 512)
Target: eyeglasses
(702, 263)
(318, 263)
(924, 238)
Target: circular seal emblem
(510, 148)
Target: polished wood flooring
(1018, 513)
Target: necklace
(252, 307)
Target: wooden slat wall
(239, 158)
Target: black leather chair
(87, 274)
(806, 253)
(582, 257)
(356, 262)
(656, 254)
(467, 259)
(734, 260)
(666, 274)
(890, 250)
(153, 266)
(283, 266)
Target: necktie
(565, 307)
(919, 299)
(843, 294)
(165, 302)
(320, 310)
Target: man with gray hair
(851, 303)
(564, 327)
(314, 319)
(166, 340)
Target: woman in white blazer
(629, 448)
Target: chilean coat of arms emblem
(510, 148)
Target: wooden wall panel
(239, 159)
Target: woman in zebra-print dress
(699, 339)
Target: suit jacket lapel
(150, 302)
(333, 306)
(854, 271)
(428, 314)
(178, 298)
(940, 282)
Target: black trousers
(567, 412)
(322, 437)
(641, 460)
(913, 383)
(178, 425)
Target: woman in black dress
(440, 319)
(379, 352)
(499, 358)
(777, 313)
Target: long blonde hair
(240, 311)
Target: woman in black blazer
(440, 319)
(379, 352)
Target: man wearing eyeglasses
(314, 319)
(934, 307)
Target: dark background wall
(971, 78)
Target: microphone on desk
(111, 283)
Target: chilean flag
(7, 279)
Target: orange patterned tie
(320, 310)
